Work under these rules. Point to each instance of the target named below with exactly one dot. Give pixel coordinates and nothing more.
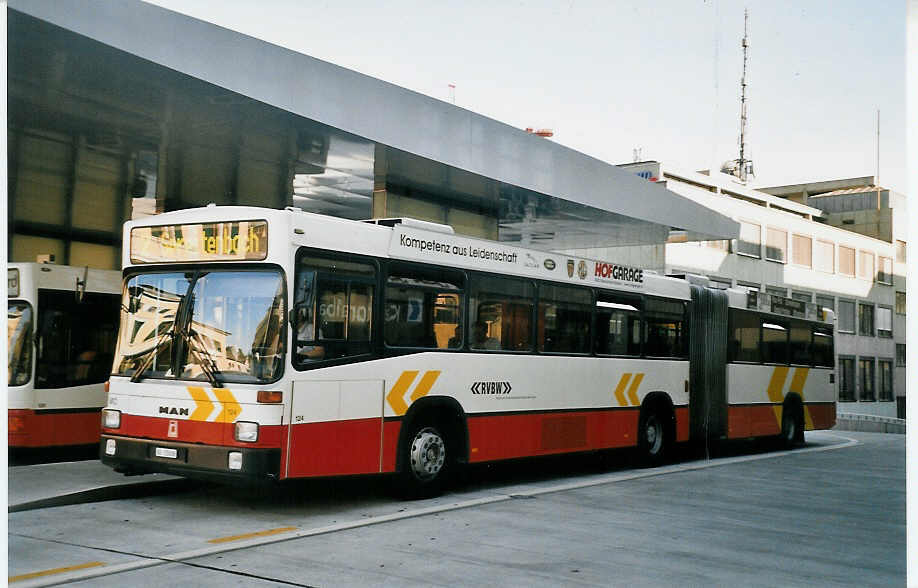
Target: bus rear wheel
(426, 463)
(652, 437)
(791, 426)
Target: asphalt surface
(830, 514)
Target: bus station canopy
(542, 193)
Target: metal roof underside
(549, 196)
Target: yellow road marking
(632, 391)
(396, 395)
(21, 577)
(231, 409)
(277, 531)
(620, 389)
(426, 383)
(202, 400)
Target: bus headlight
(111, 419)
(246, 432)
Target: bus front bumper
(132, 456)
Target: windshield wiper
(207, 362)
(147, 356)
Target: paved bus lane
(832, 513)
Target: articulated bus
(280, 344)
(62, 323)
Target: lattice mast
(744, 166)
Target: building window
(900, 302)
(865, 269)
(846, 379)
(900, 251)
(886, 380)
(845, 260)
(865, 320)
(825, 256)
(721, 244)
(720, 283)
(884, 270)
(747, 288)
(803, 250)
(802, 296)
(845, 316)
(884, 322)
(865, 369)
(750, 240)
(900, 354)
(776, 291)
(825, 302)
(776, 245)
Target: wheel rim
(428, 454)
(653, 435)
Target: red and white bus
(61, 327)
(280, 344)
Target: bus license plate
(166, 452)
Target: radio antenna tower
(742, 167)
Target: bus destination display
(230, 241)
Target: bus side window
(332, 308)
(823, 352)
(745, 330)
(423, 307)
(664, 332)
(501, 313)
(774, 340)
(618, 325)
(800, 349)
(564, 319)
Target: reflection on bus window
(564, 319)
(618, 325)
(333, 308)
(823, 350)
(774, 340)
(75, 338)
(504, 306)
(423, 307)
(745, 332)
(181, 324)
(800, 350)
(19, 343)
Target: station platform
(56, 484)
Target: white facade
(783, 249)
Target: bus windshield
(19, 342)
(216, 325)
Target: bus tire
(653, 436)
(427, 461)
(792, 425)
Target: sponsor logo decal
(611, 272)
(549, 264)
(491, 388)
(582, 270)
(570, 268)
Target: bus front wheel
(426, 462)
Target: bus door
(336, 415)
(708, 361)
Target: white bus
(61, 327)
(279, 344)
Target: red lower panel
(521, 435)
(823, 415)
(185, 431)
(391, 430)
(757, 420)
(682, 424)
(28, 428)
(335, 448)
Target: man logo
(173, 410)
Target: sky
(609, 77)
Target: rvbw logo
(491, 388)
